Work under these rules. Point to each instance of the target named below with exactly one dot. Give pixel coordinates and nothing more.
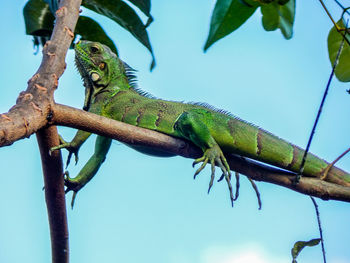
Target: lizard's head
(98, 66)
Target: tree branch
(75, 118)
(32, 113)
(54, 193)
(46, 81)
(33, 106)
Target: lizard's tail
(258, 144)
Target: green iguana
(110, 91)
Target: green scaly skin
(110, 92)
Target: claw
(76, 158)
(216, 157)
(66, 183)
(225, 168)
(255, 187)
(219, 162)
(226, 164)
(71, 186)
(200, 168)
(221, 177)
(73, 199)
(237, 186)
(62, 141)
(222, 167)
(227, 177)
(212, 162)
(68, 159)
(71, 152)
(71, 149)
(198, 161)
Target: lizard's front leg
(193, 125)
(89, 170)
(73, 146)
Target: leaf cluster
(227, 16)
(39, 21)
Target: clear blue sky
(146, 209)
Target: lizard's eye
(94, 49)
(102, 65)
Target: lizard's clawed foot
(215, 156)
(71, 185)
(70, 148)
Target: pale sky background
(146, 209)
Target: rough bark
(54, 193)
(42, 86)
(33, 106)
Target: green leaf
(228, 15)
(281, 2)
(53, 5)
(342, 71)
(38, 18)
(89, 29)
(39, 23)
(279, 16)
(300, 245)
(125, 16)
(145, 7)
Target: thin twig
(329, 14)
(340, 30)
(324, 176)
(311, 136)
(341, 6)
(319, 111)
(319, 228)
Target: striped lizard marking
(244, 136)
(126, 110)
(272, 148)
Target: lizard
(111, 91)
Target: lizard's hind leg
(192, 125)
